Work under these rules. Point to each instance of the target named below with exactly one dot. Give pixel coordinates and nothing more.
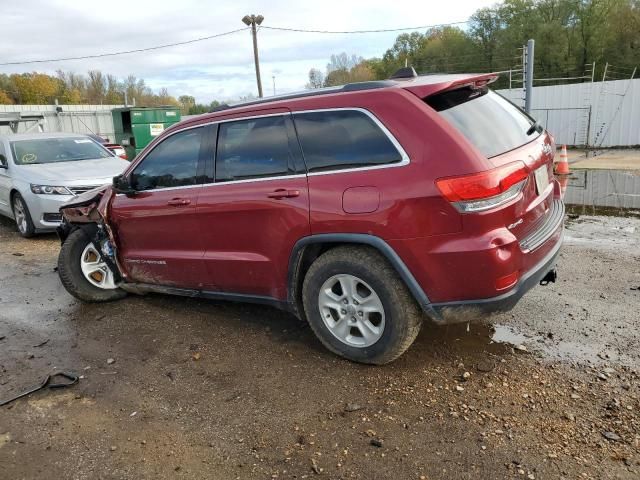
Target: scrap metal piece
(71, 378)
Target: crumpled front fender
(88, 207)
(90, 211)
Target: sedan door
(158, 236)
(5, 182)
(257, 208)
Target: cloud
(220, 68)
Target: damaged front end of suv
(88, 213)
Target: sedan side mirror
(3, 161)
(121, 184)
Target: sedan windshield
(50, 150)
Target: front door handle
(284, 193)
(178, 202)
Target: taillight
(484, 190)
(121, 152)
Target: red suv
(362, 209)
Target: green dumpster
(136, 127)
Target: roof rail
(349, 87)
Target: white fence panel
(73, 118)
(611, 109)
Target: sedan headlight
(50, 190)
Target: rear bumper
(467, 310)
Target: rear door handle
(284, 193)
(177, 202)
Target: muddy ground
(183, 388)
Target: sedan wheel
(22, 216)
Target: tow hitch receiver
(549, 277)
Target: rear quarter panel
(409, 205)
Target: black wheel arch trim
(378, 243)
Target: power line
(380, 30)
(137, 50)
(209, 37)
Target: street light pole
(252, 21)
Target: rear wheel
(22, 216)
(84, 273)
(358, 306)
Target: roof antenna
(405, 72)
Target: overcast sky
(220, 68)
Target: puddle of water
(507, 334)
(561, 350)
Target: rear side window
(253, 148)
(172, 163)
(491, 123)
(340, 139)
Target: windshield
(51, 150)
(491, 123)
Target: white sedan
(41, 171)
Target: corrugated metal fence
(599, 114)
(73, 118)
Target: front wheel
(358, 307)
(84, 273)
(22, 216)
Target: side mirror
(121, 184)
(3, 161)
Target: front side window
(253, 148)
(172, 163)
(343, 139)
(53, 150)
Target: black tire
(29, 229)
(403, 316)
(71, 274)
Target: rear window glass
(339, 139)
(51, 150)
(490, 122)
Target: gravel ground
(184, 388)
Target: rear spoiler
(471, 80)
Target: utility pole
(252, 21)
(529, 76)
(274, 84)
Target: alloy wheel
(351, 310)
(20, 214)
(95, 270)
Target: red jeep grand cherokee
(362, 209)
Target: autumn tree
(34, 87)
(96, 87)
(5, 99)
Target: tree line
(67, 88)
(570, 35)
